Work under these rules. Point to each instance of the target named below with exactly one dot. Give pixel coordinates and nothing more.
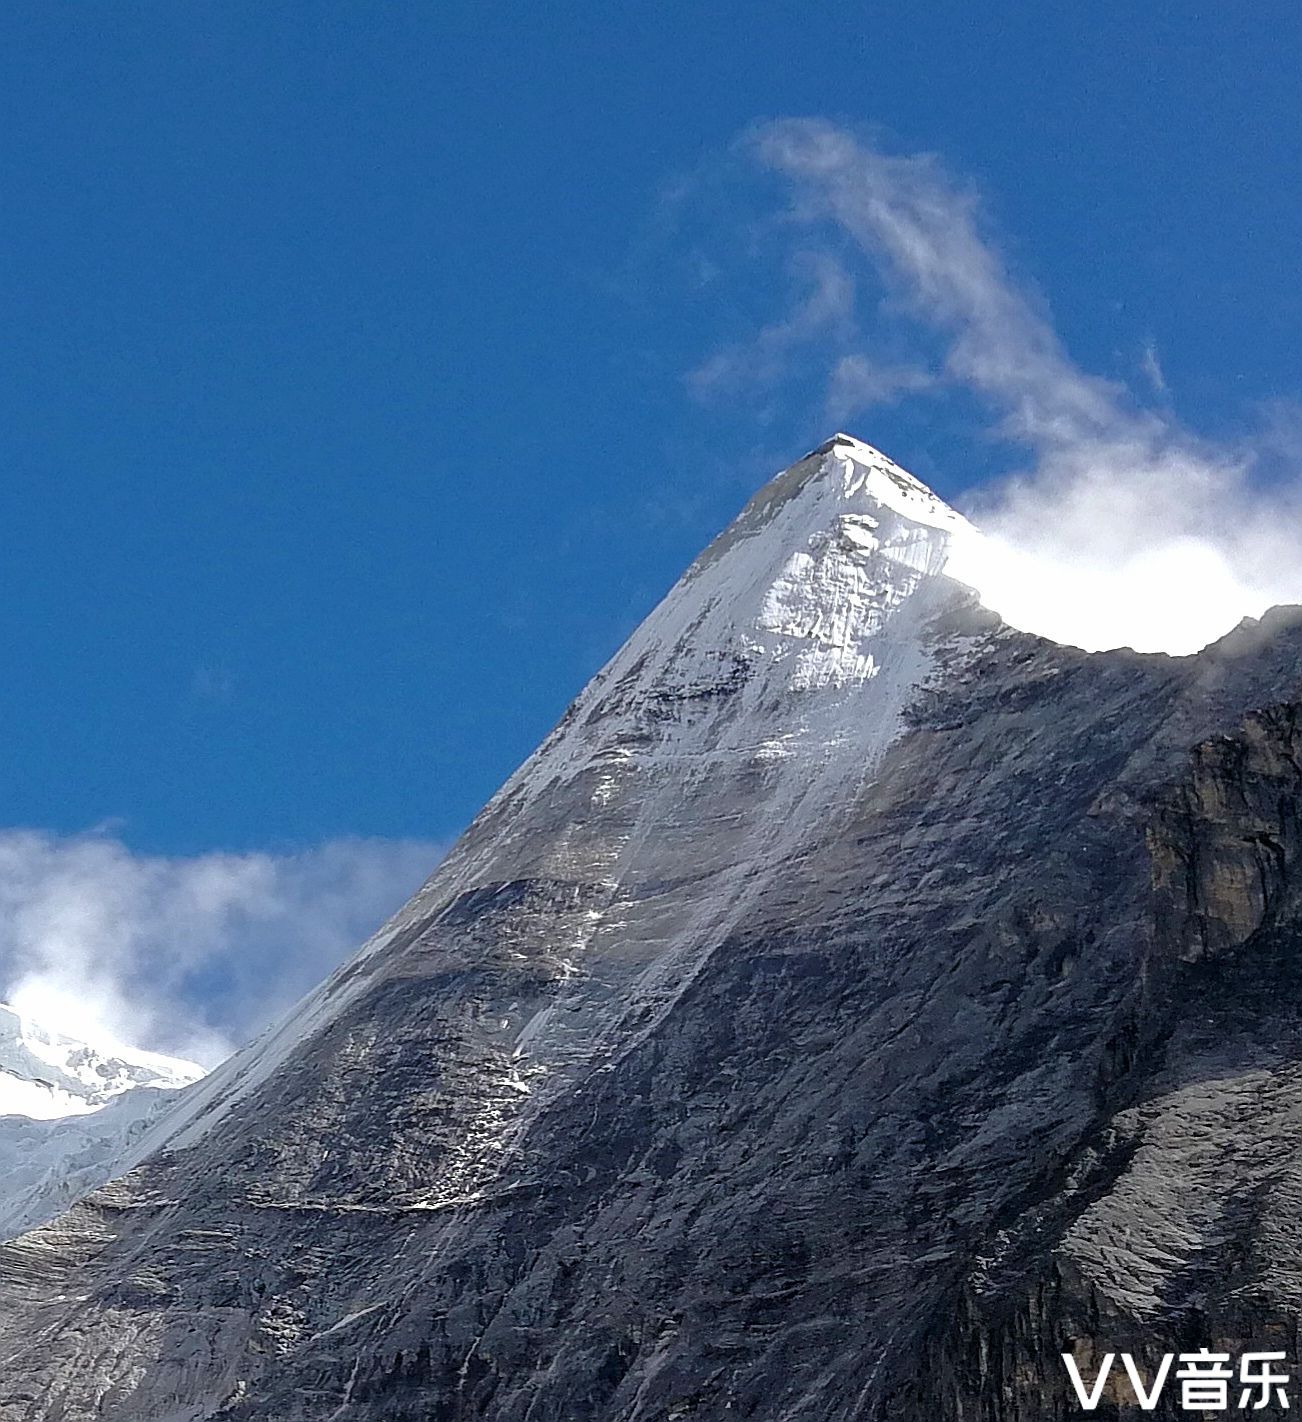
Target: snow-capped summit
(69, 1111)
(805, 618)
(810, 589)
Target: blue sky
(352, 407)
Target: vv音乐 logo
(1207, 1381)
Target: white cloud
(922, 233)
(858, 384)
(190, 956)
(824, 311)
(1128, 529)
(1151, 366)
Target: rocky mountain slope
(852, 1005)
(70, 1113)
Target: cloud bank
(189, 956)
(1125, 528)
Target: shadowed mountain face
(853, 1005)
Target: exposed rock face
(853, 1005)
(1180, 1226)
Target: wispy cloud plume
(190, 956)
(823, 311)
(1125, 527)
(922, 233)
(1151, 366)
(858, 383)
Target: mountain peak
(755, 1042)
(784, 657)
(842, 478)
(822, 584)
(852, 441)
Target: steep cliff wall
(1176, 1224)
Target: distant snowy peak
(45, 1074)
(70, 1114)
